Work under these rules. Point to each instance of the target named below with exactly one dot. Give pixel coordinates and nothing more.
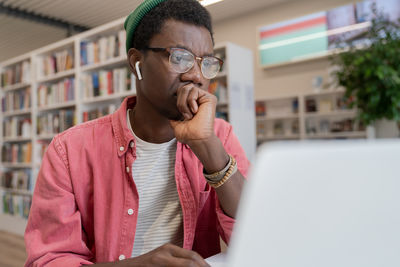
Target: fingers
(187, 106)
(189, 100)
(184, 257)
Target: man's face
(160, 82)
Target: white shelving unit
(319, 115)
(237, 103)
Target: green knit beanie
(133, 20)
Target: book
(56, 93)
(16, 153)
(17, 127)
(16, 100)
(102, 49)
(17, 73)
(55, 122)
(18, 205)
(56, 62)
(108, 82)
(98, 112)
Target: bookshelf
(82, 78)
(234, 88)
(317, 115)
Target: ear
(134, 56)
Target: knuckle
(192, 264)
(194, 256)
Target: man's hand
(167, 255)
(197, 130)
(198, 109)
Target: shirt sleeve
(54, 234)
(234, 148)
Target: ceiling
(19, 35)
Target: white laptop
(322, 204)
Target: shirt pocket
(204, 195)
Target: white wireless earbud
(139, 75)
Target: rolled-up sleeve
(234, 148)
(54, 235)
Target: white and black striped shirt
(160, 218)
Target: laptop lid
(319, 204)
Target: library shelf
(222, 74)
(274, 118)
(57, 106)
(278, 137)
(16, 86)
(16, 165)
(17, 112)
(108, 63)
(17, 191)
(16, 139)
(57, 76)
(222, 104)
(106, 98)
(336, 113)
(350, 134)
(45, 136)
(325, 92)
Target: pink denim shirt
(85, 202)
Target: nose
(194, 75)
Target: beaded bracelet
(217, 176)
(228, 174)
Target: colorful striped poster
(293, 39)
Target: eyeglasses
(182, 60)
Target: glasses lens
(181, 60)
(210, 67)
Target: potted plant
(371, 74)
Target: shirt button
(127, 169)
(131, 144)
(130, 211)
(121, 257)
(121, 148)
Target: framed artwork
(318, 34)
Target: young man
(160, 170)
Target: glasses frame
(169, 50)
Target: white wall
(284, 80)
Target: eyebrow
(190, 50)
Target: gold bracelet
(231, 171)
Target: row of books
(325, 126)
(55, 122)
(277, 108)
(63, 91)
(327, 104)
(16, 153)
(277, 128)
(103, 49)
(219, 89)
(17, 127)
(16, 205)
(42, 147)
(16, 100)
(107, 82)
(98, 112)
(18, 73)
(20, 180)
(56, 62)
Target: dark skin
(174, 105)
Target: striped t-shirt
(160, 218)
